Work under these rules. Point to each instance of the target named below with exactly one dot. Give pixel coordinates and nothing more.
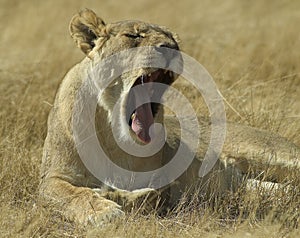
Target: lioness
(65, 180)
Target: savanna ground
(251, 48)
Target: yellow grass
(251, 48)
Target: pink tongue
(142, 121)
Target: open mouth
(140, 116)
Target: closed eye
(132, 35)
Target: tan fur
(68, 184)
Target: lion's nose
(171, 54)
(160, 47)
(168, 50)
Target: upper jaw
(154, 75)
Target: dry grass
(251, 48)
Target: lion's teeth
(165, 71)
(142, 79)
(170, 74)
(149, 75)
(132, 116)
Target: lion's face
(99, 41)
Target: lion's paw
(97, 212)
(101, 218)
(145, 199)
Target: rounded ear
(85, 27)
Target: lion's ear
(85, 27)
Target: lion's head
(99, 41)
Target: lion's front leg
(144, 200)
(80, 204)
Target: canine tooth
(132, 116)
(170, 74)
(165, 71)
(142, 79)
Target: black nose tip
(164, 45)
(160, 47)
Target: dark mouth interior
(159, 76)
